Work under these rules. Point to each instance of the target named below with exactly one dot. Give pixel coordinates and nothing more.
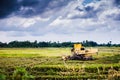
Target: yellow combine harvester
(80, 53)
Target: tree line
(36, 44)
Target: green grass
(46, 63)
(33, 52)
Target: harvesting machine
(79, 52)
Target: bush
(2, 77)
(22, 74)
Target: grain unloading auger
(81, 53)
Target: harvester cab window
(82, 48)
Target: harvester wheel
(88, 58)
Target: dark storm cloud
(29, 8)
(88, 11)
(117, 2)
(7, 7)
(32, 7)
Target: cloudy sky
(60, 20)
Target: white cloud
(23, 22)
(59, 21)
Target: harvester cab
(78, 49)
